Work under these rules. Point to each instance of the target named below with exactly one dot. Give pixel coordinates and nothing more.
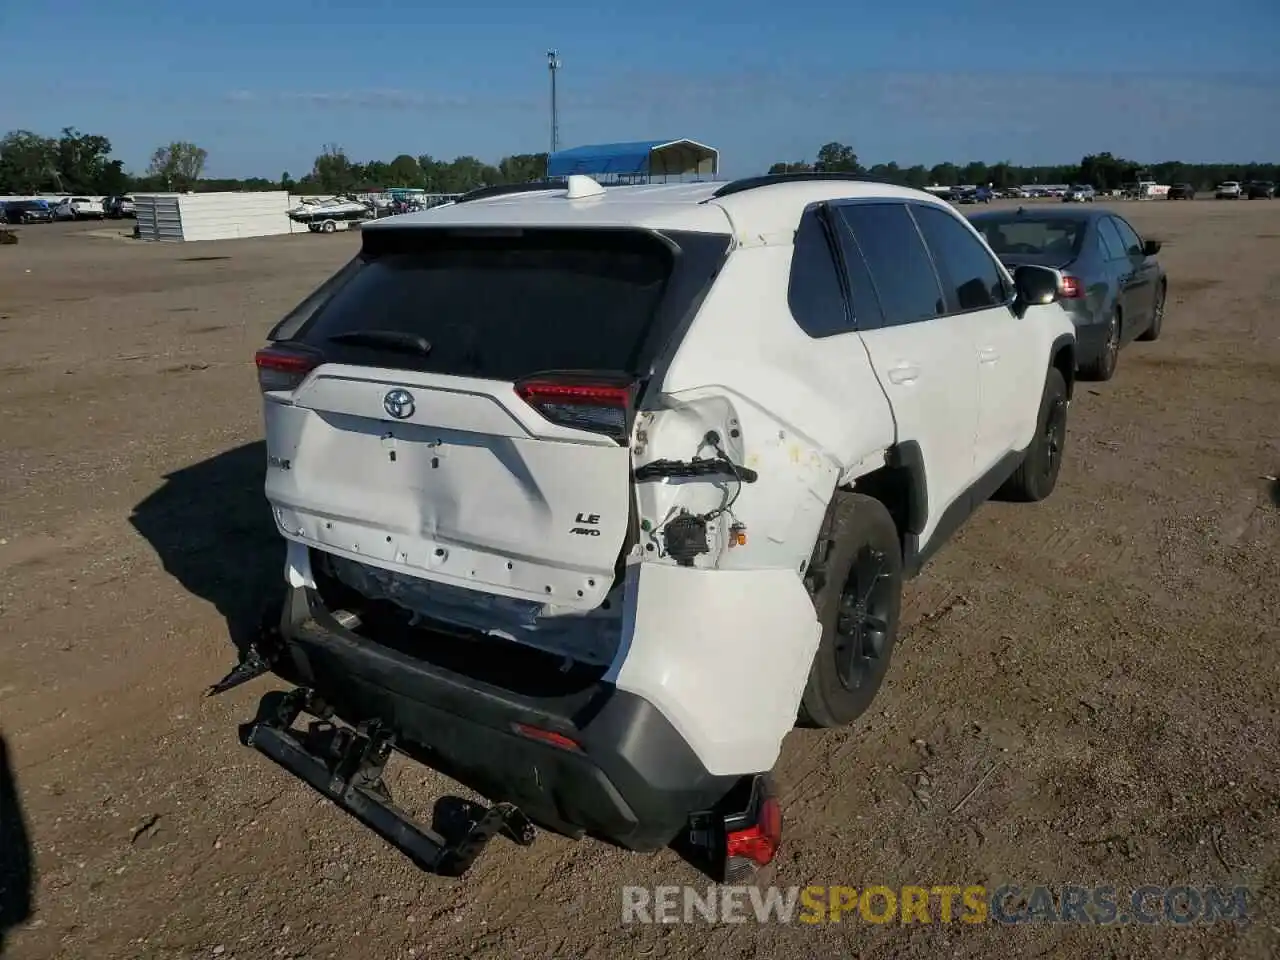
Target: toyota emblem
(398, 403)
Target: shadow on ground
(15, 853)
(212, 529)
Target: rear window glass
(1051, 235)
(505, 304)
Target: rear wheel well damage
(899, 485)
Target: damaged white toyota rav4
(591, 493)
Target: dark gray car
(1113, 285)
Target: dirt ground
(1108, 659)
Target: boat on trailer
(326, 216)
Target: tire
(1037, 474)
(1103, 367)
(857, 593)
(1157, 316)
(328, 226)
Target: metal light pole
(553, 65)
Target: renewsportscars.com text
(972, 904)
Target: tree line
(76, 162)
(1102, 171)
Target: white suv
(78, 208)
(589, 492)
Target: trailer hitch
(346, 765)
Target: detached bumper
(614, 766)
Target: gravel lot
(1113, 652)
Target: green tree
(916, 176)
(1001, 175)
(81, 160)
(28, 162)
(944, 175)
(837, 158)
(974, 172)
(797, 166)
(178, 164)
(375, 175)
(404, 171)
(333, 172)
(112, 180)
(287, 182)
(1107, 172)
(522, 167)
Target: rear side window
(867, 314)
(503, 304)
(813, 292)
(970, 276)
(899, 264)
(1128, 237)
(1111, 241)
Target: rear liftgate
(346, 766)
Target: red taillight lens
(583, 405)
(283, 367)
(758, 842)
(1071, 289)
(546, 736)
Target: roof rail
(769, 179)
(501, 189)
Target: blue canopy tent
(640, 160)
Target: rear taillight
(546, 736)
(1071, 288)
(581, 403)
(758, 842)
(284, 366)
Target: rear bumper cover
(1091, 339)
(633, 779)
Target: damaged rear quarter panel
(806, 414)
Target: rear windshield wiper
(385, 339)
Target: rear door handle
(988, 355)
(904, 373)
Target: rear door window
(1128, 237)
(508, 303)
(971, 279)
(896, 257)
(1111, 241)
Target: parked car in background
(1261, 190)
(1182, 191)
(79, 208)
(1228, 190)
(1112, 284)
(972, 195)
(118, 207)
(1079, 193)
(27, 211)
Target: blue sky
(915, 82)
